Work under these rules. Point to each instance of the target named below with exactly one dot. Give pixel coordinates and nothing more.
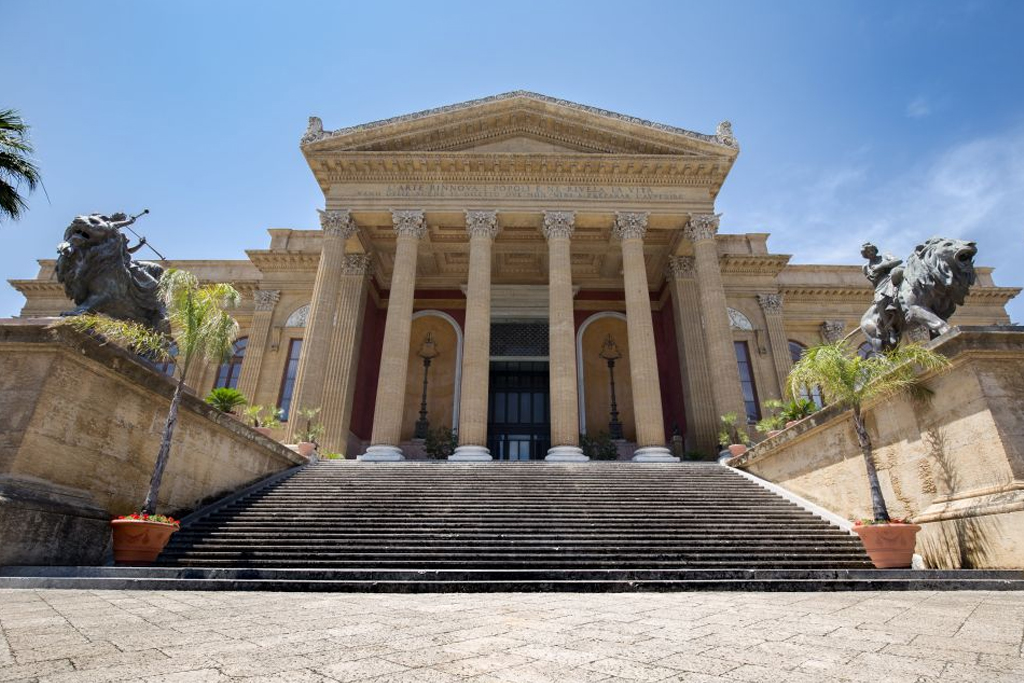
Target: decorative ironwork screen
(518, 339)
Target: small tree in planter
(262, 418)
(850, 381)
(226, 399)
(309, 436)
(733, 434)
(440, 443)
(774, 420)
(202, 332)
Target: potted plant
(733, 434)
(309, 437)
(599, 446)
(849, 381)
(440, 443)
(774, 420)
(262, 418)
(798, 409)
(139, 538)
(226, 399)
(201, 331)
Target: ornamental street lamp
(610, 352)
(428, 351)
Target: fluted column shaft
(701, 420)
(643, 363)
(340, 369)
(482, 227)
(256, 347)
(721, 353)
(565, 412)
(394, 360)
(309, 377)
(771, 304)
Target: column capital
(701, 227)
(559, 224)
(832, 330)
(355, 264)
(409, 222)
(681, 266)
(482, 223)
(771, 304)
(630, 225)
(266, 299)
(337, 223)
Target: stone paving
(65, 636)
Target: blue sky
(883, 120)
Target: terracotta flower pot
(737, 449)
(137, 542)
(890, 546)
(305, 448)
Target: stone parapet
(955, 464)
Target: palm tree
(200, 329)
(849, 381)
(16, 168)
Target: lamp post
(428, 352)
(610, 352)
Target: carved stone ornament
(631, 225)
(559, 224)
(702, 226)
(771, 304)
(409, 222)
(337, 223)
(738, 321)
(266, 299)
(832, 330)
(482, 223)
(355, 264)
(314, 131)
(298, 317)
(682, 266)
(724, 135)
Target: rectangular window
(747, 381)
(291, 369)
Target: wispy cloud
(972, 190)
(919, 107)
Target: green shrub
(732, 430)
(262, 416)
(599, 446)
(226, 399)
(313, 431)
(440, 443)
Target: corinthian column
(309, 377)
(394, 358)
(482, 227)
(721, 353)
(259, 331)
(771, 304)
(630, 227)
(340, 371)
(701, 420)
(565, 412)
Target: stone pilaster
(256, 347)
(394, 359)
(718, 342)
(482, 227)
(309, 378)
(565, 411)
(630, 227)
(343, 359)
(771, 304)
(702, 422)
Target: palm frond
(133, 336)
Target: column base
(470, 454)
(654, 454)
(566, 454)
(381, 454)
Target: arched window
(796, 352)
(227, 375)
(167, 366)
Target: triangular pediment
(519, 123)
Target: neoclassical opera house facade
(498, 266)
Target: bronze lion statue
(923, 292)
(95, 266)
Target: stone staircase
(443, 527)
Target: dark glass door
(518, 415)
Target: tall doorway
(519, 410)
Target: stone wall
(80, 426)
(955, 464)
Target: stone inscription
(513, 191)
